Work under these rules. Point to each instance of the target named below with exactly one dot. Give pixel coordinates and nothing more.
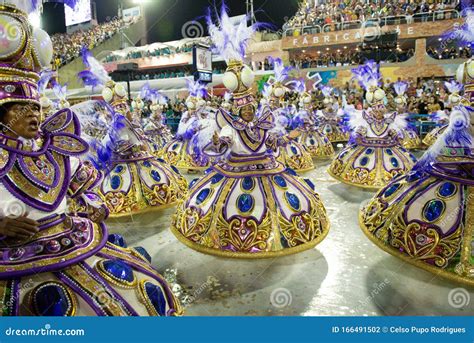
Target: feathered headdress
(60, 91)
(400, 88)
(196, 89)
(368, 75)
(453, 87)
(229, 41)
(156, 97)
(465, 32)
(326, 90)
(281, 72)
(95, 75)
(267, 90)
(45, 78)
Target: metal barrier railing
(384, 21)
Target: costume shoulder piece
(38, 172)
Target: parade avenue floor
(345, 275)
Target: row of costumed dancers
(64, 170)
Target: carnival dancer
(248, 205)
(135, 180)
(410, 139)
(312, 139)
(331, 118)
(54, 263)
(293, 155)
(183, 152)
(426, 218)
(441, 118)
(375, 155)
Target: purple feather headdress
(229, 41)
(267, 90)
(196, 88)
(281, 72)
(465, 32)
(298, 85)
(453, 87)
(45, 78)
(368, 75)
(326, 90)
(400, 87)
(95, 75)
(60, 90)
(156, 97)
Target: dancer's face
(247, 113)
(22, 119)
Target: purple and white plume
(400, 87)
(45, 78)
(60, 91)
(326, 90)
(196, 88)
(281, 72)
(368, 75)
(95, 75)
(453, 87)
(229, 41)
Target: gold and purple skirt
(296, 157)
(317, 144)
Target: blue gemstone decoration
(51, 300)
(364, 161)
(115, 182)
(369, 151)
(414, 176)
(142, 251)
(394, 162)
(245, 203)
(293, 201)
(217, 178)
(175, 146)
(312, 142)
(176, 170)
(248, 184)
(433, 210)
(202, 196)
(156, 297)
(280, 181)
(447, 189)
(119, 269)
(192, 183)
(160, 160)
(147, 164)
(291, 172)
(413, 158)
(155, 175)
(391, 190)
(294, 151)
(389, 152)
(310, 184)
(117, 239)
(208, 171)
(119, 169)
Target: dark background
(165, 18)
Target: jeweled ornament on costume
(195, 128)
(312, 139)
(427, 217)
(374, 155)
(409, 136)
(330, 119)
(154, 126)
(247, 205)
(54, 263)
(135, 181)
(293, 154)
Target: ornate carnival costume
(441, 118)
(427, 217)
(249, 205)
(330, 119)
(376, 155)
(294, 155)
(63, 265)
(313, 140)
(154, 127)
(135, 180)
(184, 152)
(410, 139)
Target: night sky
(165, 18)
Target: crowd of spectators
(347, 57)
(67, 47)
(441, 52)
(338, 14)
